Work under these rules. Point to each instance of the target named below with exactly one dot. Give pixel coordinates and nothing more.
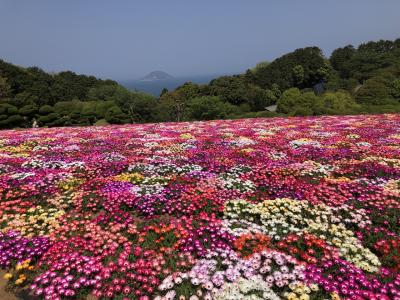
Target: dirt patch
(4, 295)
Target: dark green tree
(280, 71)
(208, 108)
(5, 88)
(114, 115)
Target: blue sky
(126, 39)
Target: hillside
(353, 80)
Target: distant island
(157, 75)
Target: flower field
(283, 208)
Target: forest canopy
(353, 80)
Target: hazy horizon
(126, 40)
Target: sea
(155, 87)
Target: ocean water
(155, 87)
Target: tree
(296, 103)
(396, 89)
(9, 116)
(142, 108)
(102, 107)
(260, 65)
(288, 100)
(190, 90)
(276, 91)
(280, 71)
(47, 116)
(26, 98)
(376, 90)
(363, 63)
(339, 102)
(46, 109)
(236, 91)
(298, 74)
(258, 98)
(5, 89)
(172, 106)
(114, 115)
(340, 59)
(208, 108)
(29, 110)
(110, 92)
(232, 89)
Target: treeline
(304, 82)
(30, 95)
(352, 80)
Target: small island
(157, 75)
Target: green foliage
(101, 122)
(8, 109)
(46, 109)
(230, 89)
(110, 92)
(190, 90)
(11, 121)
(48, 119)
(114, 115)
(33, 84)
(172, 106)
(5, 88)
(283, 70)
(298, 75)
(84, 113)
(378, 109)
(141, 108)
(395, 91)
(102, 107)
(259, 66)
(294, 102)
(363, 62)
(376, 90)
(208, 108)
(288, 100)
(236, 91)
(340, 102)
(28, 110)
(26, 98)
(340, 58)
(354, 80)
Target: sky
(126, 39)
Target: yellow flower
(186, 136)
(291, 296)
(335, 296)
(299, 290)
(304, 297)
(8, 276)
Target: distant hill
(157, 75)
